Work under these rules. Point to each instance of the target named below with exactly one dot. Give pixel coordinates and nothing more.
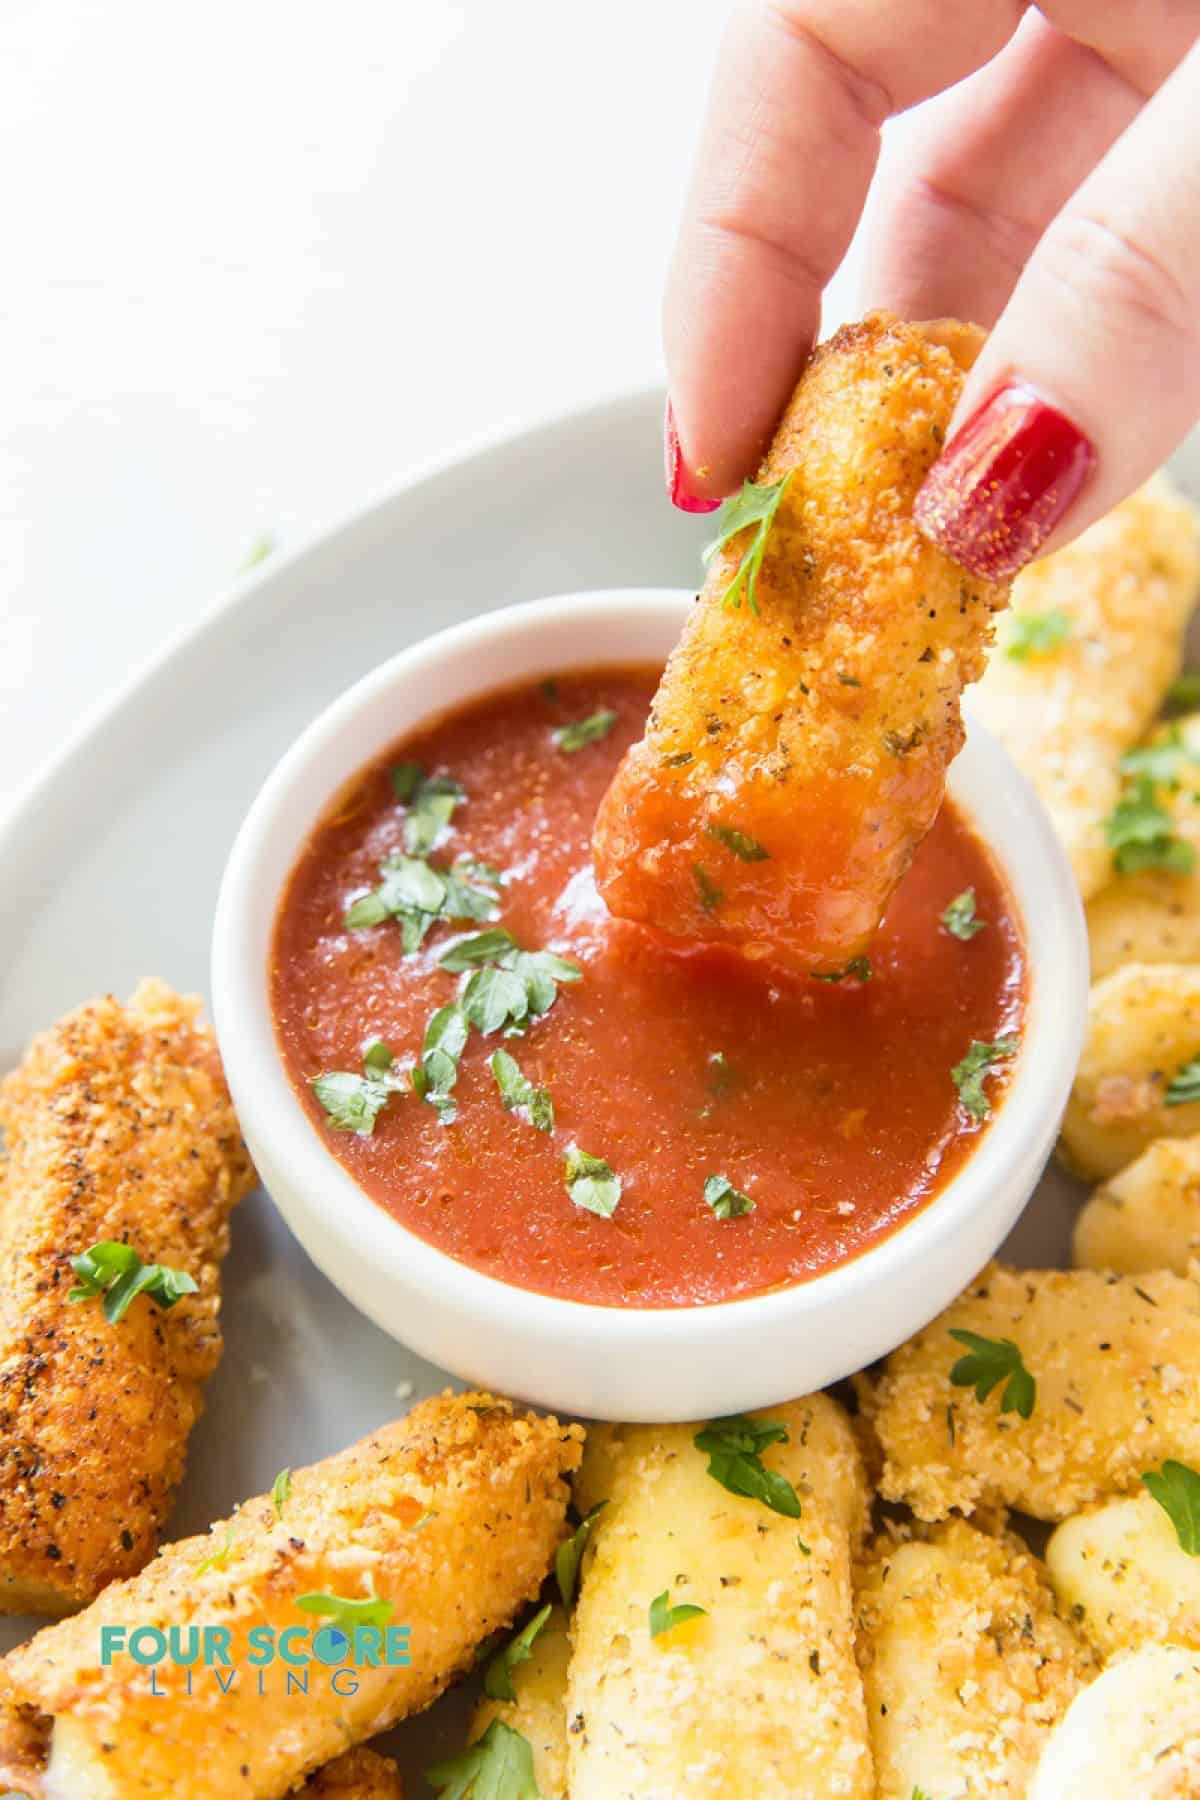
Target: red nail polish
(1004, 481)
(677, 479)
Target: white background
(262, 257)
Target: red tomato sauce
(830, 1104)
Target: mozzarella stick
(1152, 915)
(359, 1775)
(1122, 1573)
(966, 1664)
(797, 748)
(1132, 1735)
(1143, 1033)
(539, 1711)
(1147, 1216)
(118, 1126)
(1094, 640)
(445, 1523)
(1115, 1362)
(760, 1693)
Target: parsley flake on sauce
(118, 1272)
(518, 1093)
(1140, 835)
(354, 1102)
(431, 801)
(970, 1074)
(960, 918)
(433, 1078)
(665, 1617)
(590, 1182)
(497, 1766)
(710, 894)
(506, 988)
(412, 891)
(582, 732)
(1177, 1490)
(726, 1201)
(734, 1448)
(754, 506)
(1184, 1086)
(570, 1553)
(1032, 634)
(346, 1614)
(989, 1362)
(745, 848)
(497, 1682)
(859, 967)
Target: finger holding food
(1147, 1216)
(123, 1161)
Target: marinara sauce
(829, 1103)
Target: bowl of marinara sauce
(566, 1155)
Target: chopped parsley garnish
(726, 1201)
(431, 801)
(1184, 1085)
(414, 892)
(220, 1556)
(710, 894)
(734, 1448)
(747, 849)
(859, 967)
(433, 1078)
(970, 1074)
(919, 1793)
(506, 987)
(1177, 1490)
(665, 1617)
(991, 1361)
(118, 1272)
(497, 1766)
(1162, 760)
(570, 1552)
(354, 1102)
(582, 732)
(281, 1487)
(497, 1682)
(1036, 634)
(519, 1094)
(590, 1182)
(1184, 691)
(1140, 834)
(960, 918)
(346, 1614)
(754, 506)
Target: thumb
(1092, 374)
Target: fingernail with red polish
(677, 476)
(1004, 481)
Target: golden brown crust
(823, 727)
(117, 1125)
(452, 1515)
(359, 1775)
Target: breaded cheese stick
(359, 1775)
(966, 1664)
(1132, 1735)
(1148, 1215)
(797, 748)
(450, 1517)
(1143, 1030)
(1094, 640)
(761, 1694)
(1122, 1573)
(117, 1125)
(1153, 915)
(539, 1711)
(1116, 1362)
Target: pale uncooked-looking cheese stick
(117, 1125)
(966, 1664)
(359, 1775)
(1143, 1030)
(1154, 915)
(450, 1517)
(1116, 1362)
(539, 1711)
(1132, 1735)
(1123, 593)
(760, 1695)
(1123, 1573)
(1148, 1215)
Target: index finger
(788, 149)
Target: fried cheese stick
(796, 750)
(539, 1711)
(450, 1516)
(966, 1664)
(359, 1775)
(1147, 1216)
(760, 1695)
(1123, 1574)
(1154, 916)
(117, 1125)
(1102, 641)
(1116, 1362)
(1135, 1732)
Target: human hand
(1054, 195)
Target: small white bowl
(600, 1361)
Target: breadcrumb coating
(359, 1775)
(117, 1125)
(1134, 1734)
(1147, 1216)
(1121, 1572)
